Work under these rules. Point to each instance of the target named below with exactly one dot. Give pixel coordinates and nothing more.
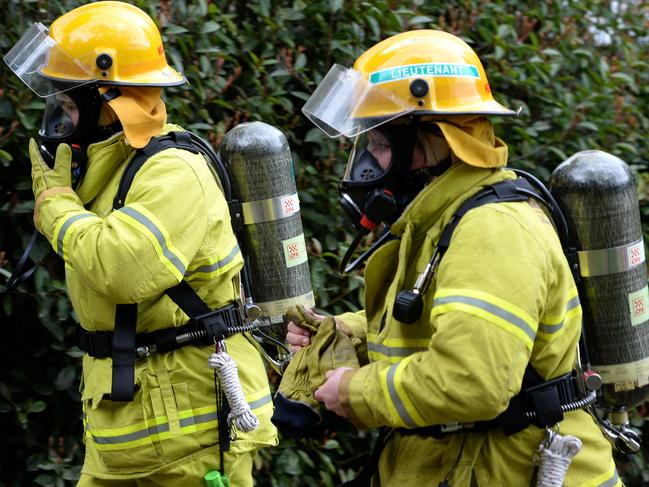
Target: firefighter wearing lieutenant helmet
(502, 303)
(101, 69)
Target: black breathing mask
(71, 117)
(379, 181)
(374, 188)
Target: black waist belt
(200, 331)
(124, 345)
(541, 405)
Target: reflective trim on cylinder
(611, 261)
(276, 309)
(270, 209)
(625, 377)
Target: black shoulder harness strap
(124, 336)
(545, 398)
(521, 189)
(179, 140)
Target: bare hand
(328, 393)
(297, 337)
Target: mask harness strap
(18, 276)
(344, 268)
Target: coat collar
(103, 159)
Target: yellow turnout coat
(174, 225)
(502, 297)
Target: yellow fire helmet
(422, 72)
(107, 43)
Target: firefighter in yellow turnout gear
(502, 300)
(103, 74)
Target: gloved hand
(296, 410)
(43, 177)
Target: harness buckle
(215, 325)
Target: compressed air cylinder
(597, 194)
(258, 160)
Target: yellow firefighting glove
(44, 178)
(296, 410)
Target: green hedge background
(579, 69)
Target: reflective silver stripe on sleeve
(611, 261)
(396, 400)
(553, 328)
(64, 228)
(573, 303)
(270, 209)
(158, 235)
(491, 308)
(393, 351)
(550, 329)
(217, 265)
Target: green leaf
(626, 78)
(5, 391)
(210, 26)
(421, 19)
(279, 72)
(6, 156)
(588, 126)
(558, 152)
(626, 147)
(72, 473)
(36, 407)
(306, 459)
(65, 378)
(314, 135)
(7, 303)
(551, 52)
(45, 480)
(174, 29)
(335, 5)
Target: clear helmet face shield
(60, 118)
(36, 50)
(338, 104)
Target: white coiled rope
(555, 456)
(241, 417)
